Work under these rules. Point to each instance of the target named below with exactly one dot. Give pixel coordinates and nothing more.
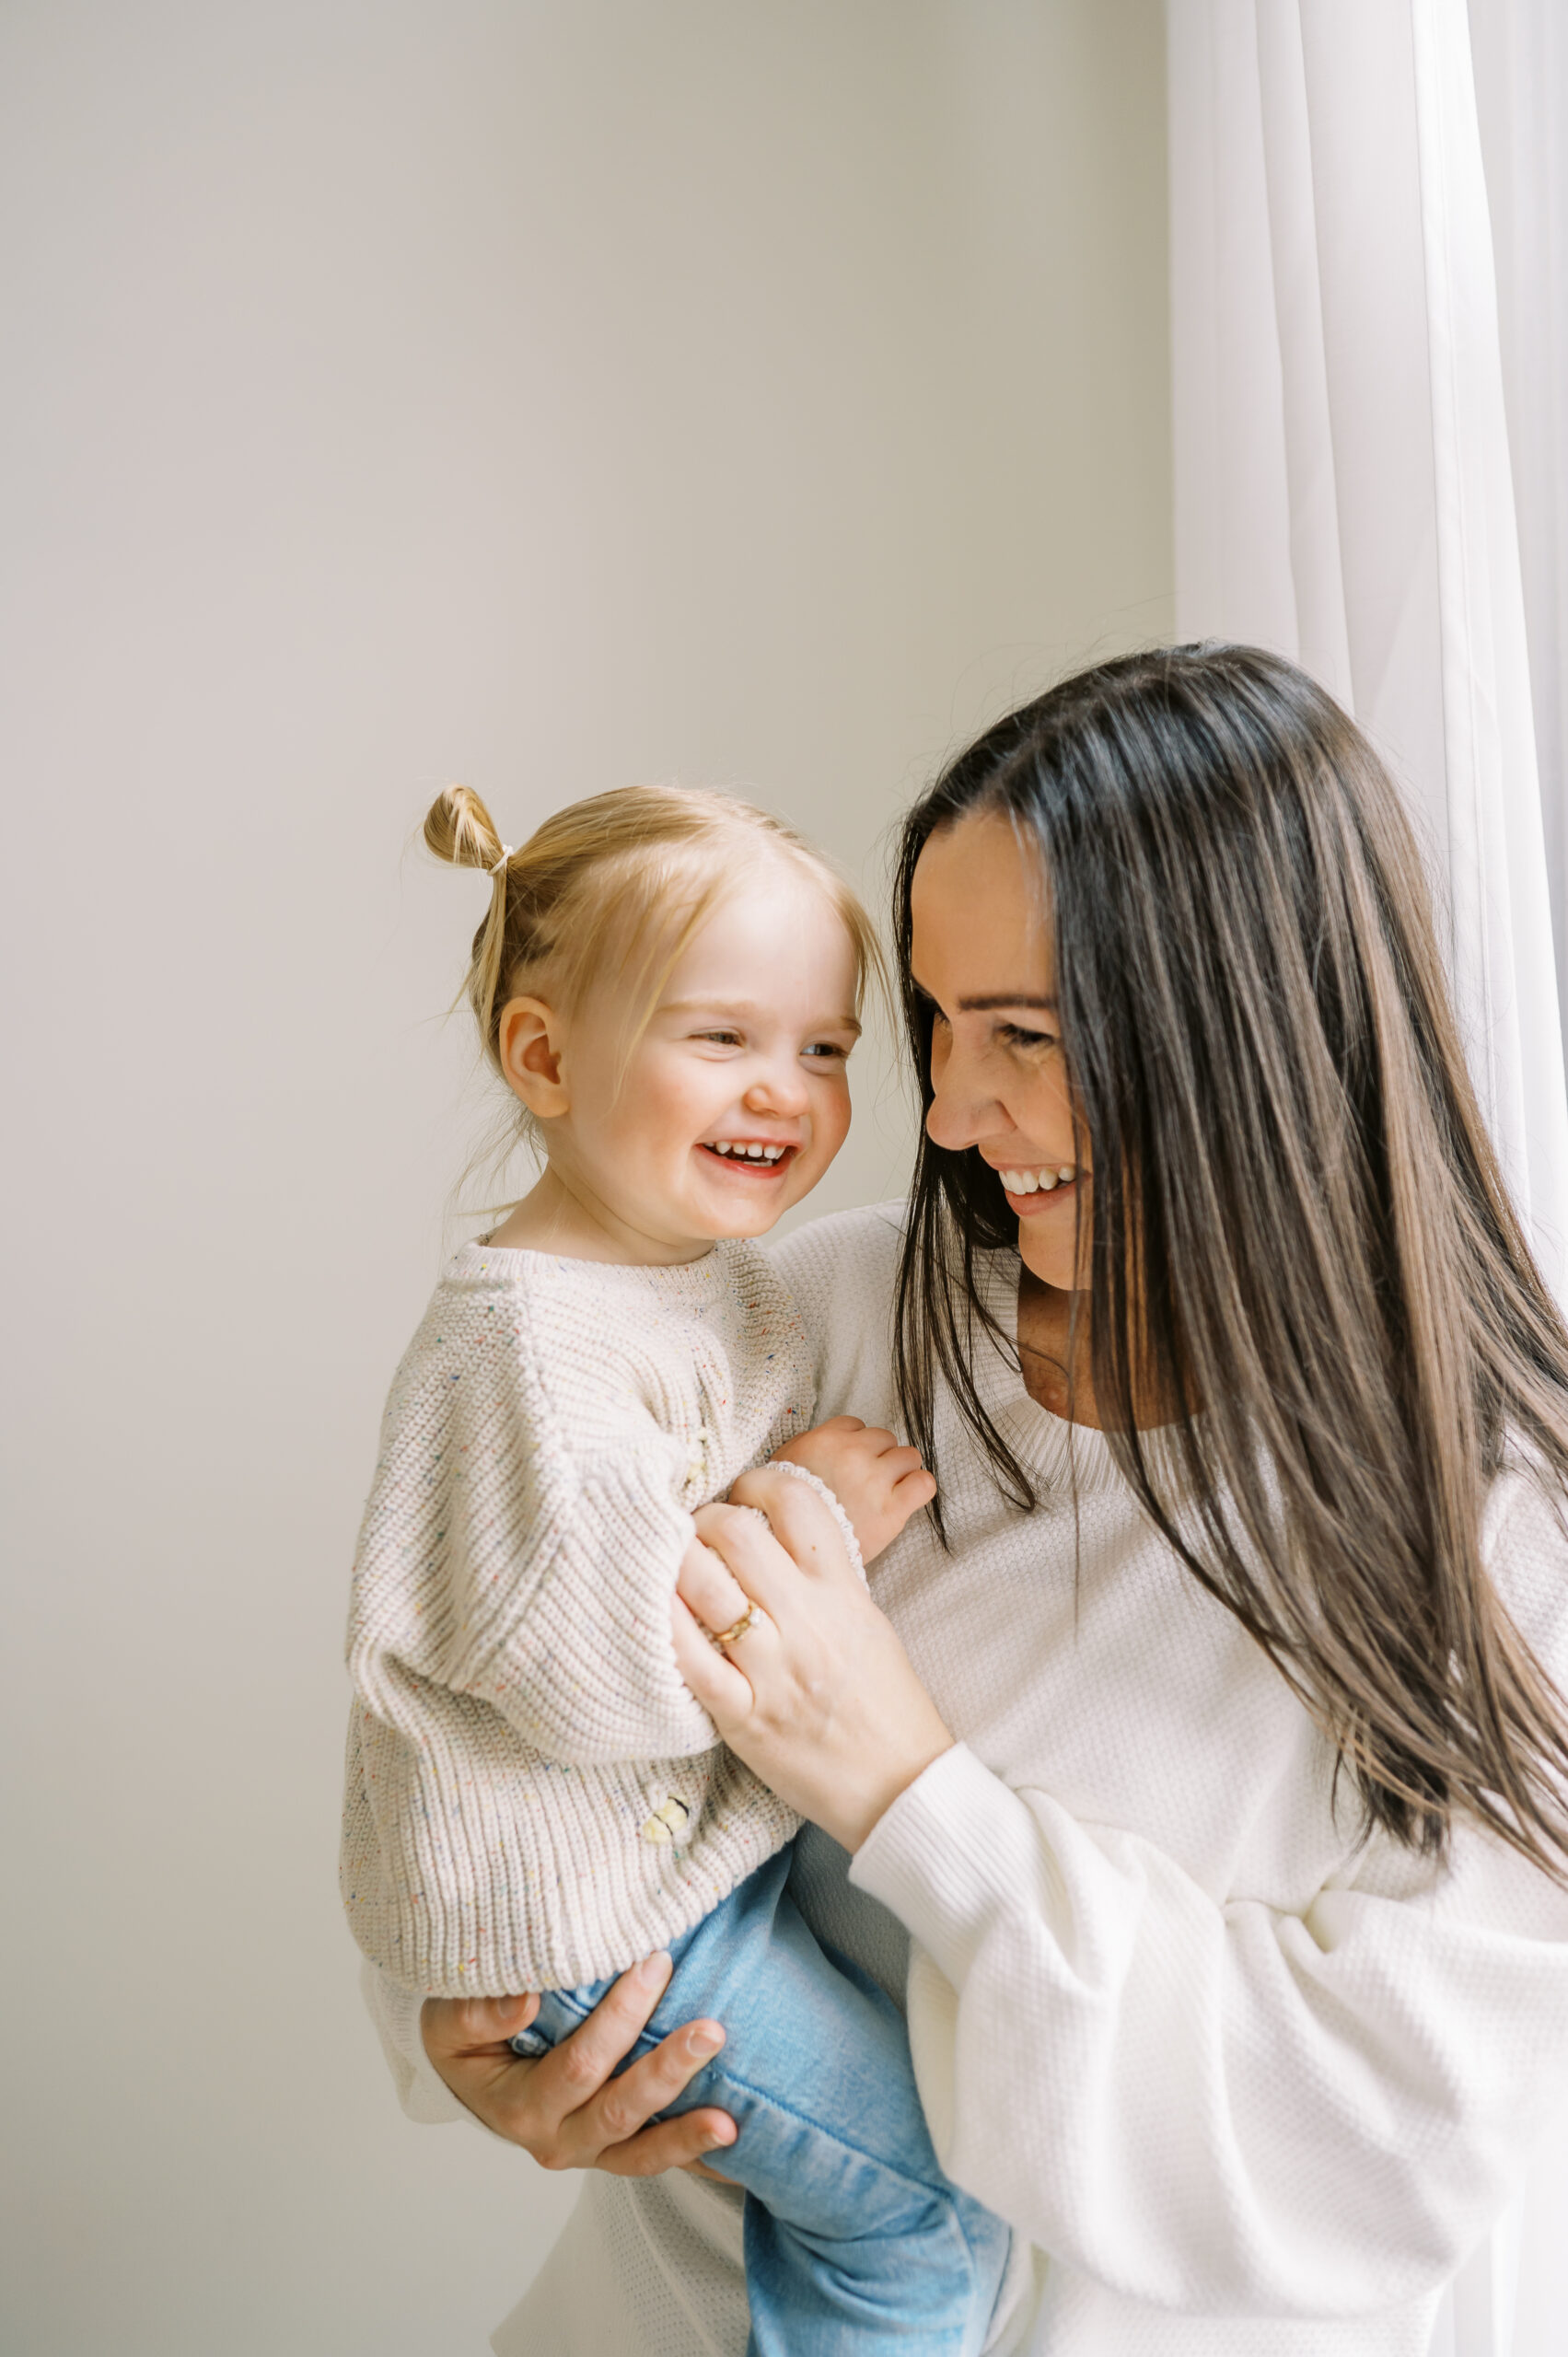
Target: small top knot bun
(457, 827)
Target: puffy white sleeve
(1221, 2107)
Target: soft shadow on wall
(547, 396)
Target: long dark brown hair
(1301, 1245)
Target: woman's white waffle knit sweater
(534, 1798)
(1248, 2086)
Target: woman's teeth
(1029, 1182)
(743, 1153)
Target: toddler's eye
(829, 1048)
(721, 1038)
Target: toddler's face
(735, 1098)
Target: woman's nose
(961, 1110)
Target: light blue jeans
(854, 2239)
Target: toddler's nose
(781, 1092)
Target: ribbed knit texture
(1249, 2089)
(534, 1799)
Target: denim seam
(945, 2190)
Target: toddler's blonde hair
(618, 884)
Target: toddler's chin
(742, 1223)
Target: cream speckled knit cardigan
(519, 1727)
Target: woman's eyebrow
(994, 999)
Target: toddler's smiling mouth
(758, 1157)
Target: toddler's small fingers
(914, 1489)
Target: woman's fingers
(568, 2107)
(710, 1588)
(627, 2104)
(455, 2028)
(681, 2143)
(601, 2130)
(719, 1684)
(570, 2078)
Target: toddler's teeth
(734, 1150)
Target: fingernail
(654, 1970)
(723, 2136)
(706, 2041)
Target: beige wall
(549, 396)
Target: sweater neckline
(1058, 1451)
(698, 1280)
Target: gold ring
(727, 1636)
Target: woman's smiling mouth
(1029, 1189)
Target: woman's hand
(564, 2107)
(817, 1695)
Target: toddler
(669, 983)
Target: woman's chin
(1049, 1258)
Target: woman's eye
(1016, 1036)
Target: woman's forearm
(1227, 2109)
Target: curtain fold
(1343, 478)
(1520, 49)
(1369, 296)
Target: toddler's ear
(530, 1042)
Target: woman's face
(982, 953)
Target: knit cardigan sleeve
(1223, 2109)
(516, 1556)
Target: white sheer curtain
(1343, 483)
(1521, 70)
(1371, 431)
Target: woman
(1205, 1758)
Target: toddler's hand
(878, 1483)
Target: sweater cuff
(956, 1849)
(813, 1481)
